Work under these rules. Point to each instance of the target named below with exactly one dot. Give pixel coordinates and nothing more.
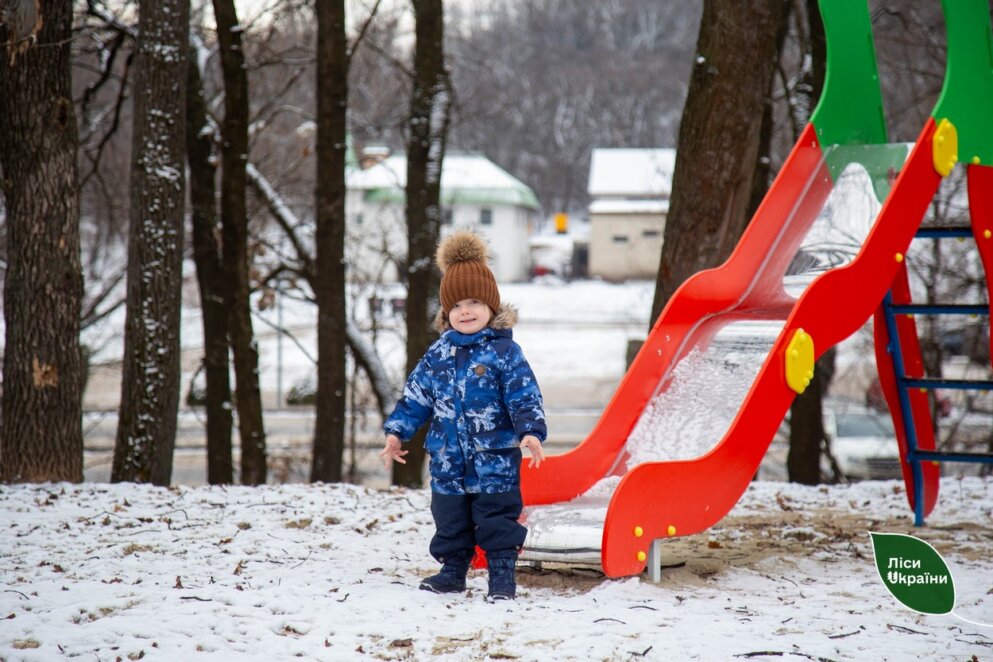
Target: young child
(481, 397)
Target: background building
(475, 194)
(629, 191)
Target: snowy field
(128, 572)
(294, 571)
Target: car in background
(863, 441)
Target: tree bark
(146, 429)
(234, 219)
(429, 115)
(42, 438)
(803, 461)
(718, 138)
(763, 172)
(329, 288)
(210, 279)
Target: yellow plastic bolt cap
(642, 556)
(898, 257)
(944, 147)
(987, 234)
(799, 361)
(671, 530)
(638, 532)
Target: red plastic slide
(663, 499)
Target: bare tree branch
(284, 216)
(360, 37)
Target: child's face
(469, 316)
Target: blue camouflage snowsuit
(482, 399)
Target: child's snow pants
(463, 521)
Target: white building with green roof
(475, 193)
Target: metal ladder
(906, 383)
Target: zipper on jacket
(468, 452)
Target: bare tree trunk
(146, 429)
(332, 380)
(763, 173)
(803, 461)
(429, 116)
(42, 438)
(718, 138)
(234, 218)
(210, 278)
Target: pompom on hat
(462, 258)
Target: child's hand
(531, 443)
(391, 451)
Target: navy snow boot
(451, 579)
(502, 566)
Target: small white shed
(629, 191)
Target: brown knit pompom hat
(462, 259)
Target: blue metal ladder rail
(904, 384)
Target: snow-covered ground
(107, 572)
(322, 572)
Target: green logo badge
(916, 575)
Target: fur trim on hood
(505, 318)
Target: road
(289, 434)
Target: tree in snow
(41, 433)
(146, 432)
(200, 142)
(430, 109)
(329, 286)
(234, 219)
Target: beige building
(630, 191)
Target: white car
(862, 441)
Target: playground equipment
(961, 127)
(684, 433)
